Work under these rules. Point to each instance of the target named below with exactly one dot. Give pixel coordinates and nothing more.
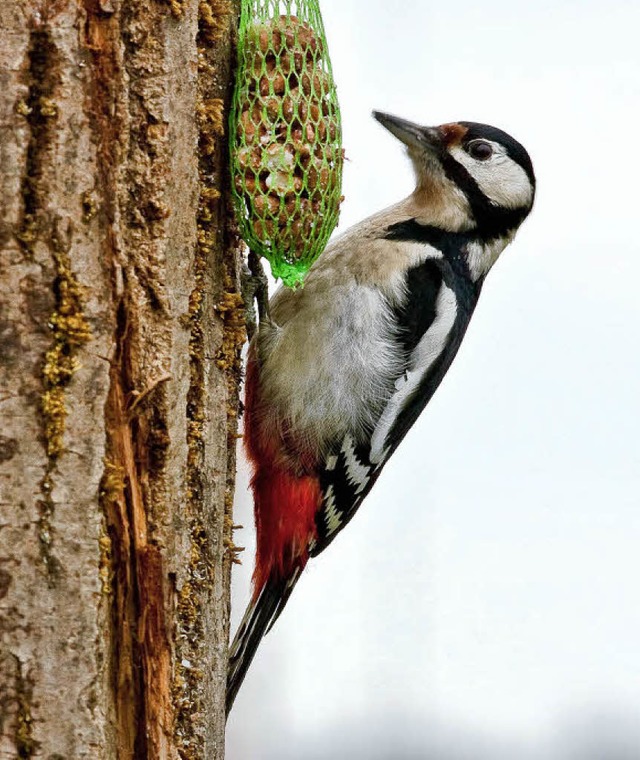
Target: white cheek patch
(501, 179)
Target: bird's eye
(480, 150)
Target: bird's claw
(255, 287)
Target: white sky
(486, 596)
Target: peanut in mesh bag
(286, 152)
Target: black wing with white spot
(431, 323)
(345, 480)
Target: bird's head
(470, 177)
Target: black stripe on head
(514, 149)
(492, 221)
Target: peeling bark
(120, 334)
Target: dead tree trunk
(120, 333)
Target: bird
(344, 366)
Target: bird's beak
(412, 135)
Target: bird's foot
(255, 290)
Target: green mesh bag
(286, 136)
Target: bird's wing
(430, 324)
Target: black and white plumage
(350, 361)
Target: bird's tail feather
(260, 616)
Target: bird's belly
(336, 379)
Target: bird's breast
(332, 366)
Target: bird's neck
(411, 221)
(416, 206)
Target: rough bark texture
(120, 333)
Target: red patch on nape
(285, 512)
(452, 134)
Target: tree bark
(120, 334)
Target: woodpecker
(347, 364)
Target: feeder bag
(286, 137)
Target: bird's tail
(261, 614)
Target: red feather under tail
(285, 512)
(285, 503)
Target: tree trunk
(120, 335)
